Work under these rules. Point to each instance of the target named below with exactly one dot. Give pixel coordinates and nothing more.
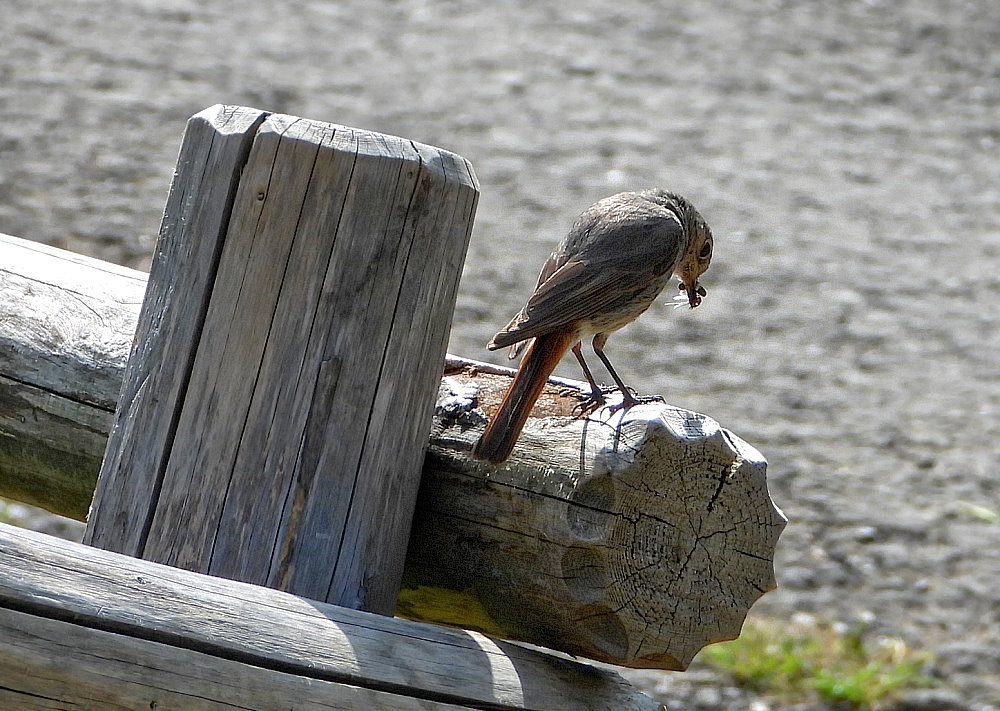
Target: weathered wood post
(276, 404)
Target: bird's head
(695, 260)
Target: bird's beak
(694, 292)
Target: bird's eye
(706, 251)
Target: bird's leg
(629, 398)
(596, 398)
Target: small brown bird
(613, 263)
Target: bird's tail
(539, 361)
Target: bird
(616, 259)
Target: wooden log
(90, 629)
(66, 322)
(635, 538)
(490, 547)
(276, 405)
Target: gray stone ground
(845, 153)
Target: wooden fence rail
(66, 326)
(89, 629)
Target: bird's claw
(592, 403)
(631, 400)
(598, 399)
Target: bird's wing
(573, 292)
(555, 260)
(588, 275)
(552, 264)
(576, 291)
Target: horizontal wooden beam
(66, 326)
(632, 537)
(87, 628)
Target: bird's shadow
(615, 421)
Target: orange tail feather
(539, 361)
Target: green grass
(978, 512)
(819, 662)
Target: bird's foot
(596, 400)
(592, 403)
(630, 400)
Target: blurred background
(844, 154)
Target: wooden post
(277, 400)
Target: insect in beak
(694, 293)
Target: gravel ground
(845, 154)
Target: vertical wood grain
(298, 413)
(195, 219)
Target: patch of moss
(813, 662)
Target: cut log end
(634, 538)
